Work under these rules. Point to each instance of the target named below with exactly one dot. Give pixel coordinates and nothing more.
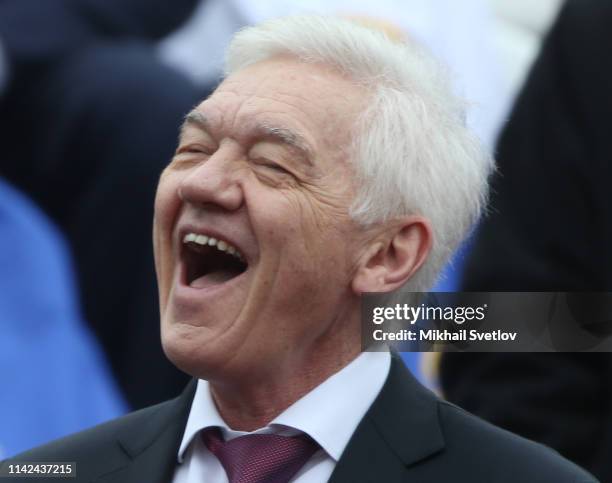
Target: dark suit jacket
(550, 229)
(408, 435)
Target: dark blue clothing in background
(54, 380)
(88, 119)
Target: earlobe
(390, 264)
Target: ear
(390, 263)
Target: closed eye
(195, 149)
(265, 163)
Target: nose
(214, 181)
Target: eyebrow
(286, 136)
(197, 119)
(264, 129)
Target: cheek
(312, 236)
(167, 204)
(303, 230)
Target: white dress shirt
(329, 414)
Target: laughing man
(330, 162)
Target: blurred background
(91, 96)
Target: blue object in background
(53, 377)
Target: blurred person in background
(550, 229)
(88, 121)
(55, 379)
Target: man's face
(262, 167)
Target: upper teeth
(213, 242)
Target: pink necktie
(260, 458)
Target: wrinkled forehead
(314, 99)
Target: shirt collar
(345, 396)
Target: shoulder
(474, 442)
(140, 442)
(93, 448)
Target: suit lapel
(368, 459)
(150, 447)
(400, 429)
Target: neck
(254, 403)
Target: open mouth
(209, 261)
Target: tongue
(214, 278)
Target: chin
(183, 346)
(191, 349)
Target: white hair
(413, 153)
